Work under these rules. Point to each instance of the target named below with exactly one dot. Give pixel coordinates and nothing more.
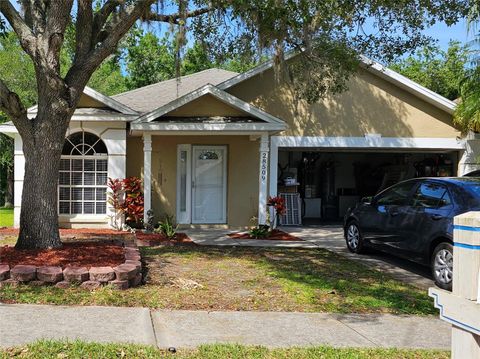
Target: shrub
(167, 227)
(133, 204)
(261, 231)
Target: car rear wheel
(353, 237)
(442, 265)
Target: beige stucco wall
(88, 102)
(242, 173)
(371, 105)
(206, 106)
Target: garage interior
(319, 186)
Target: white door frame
(186, 217)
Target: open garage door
(327, 182)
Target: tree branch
(84, 28)
(82, 68)
(26, 37)
(174, 18)
(101, 16)
(11, 104)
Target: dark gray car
(414, 220)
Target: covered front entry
(202, 184)
(195, 183)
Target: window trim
(100, 156)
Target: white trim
(272, 188)
(9, 129)
(217, 93)
(263, 179)
(104, 118)
(79, 218)
(392, 143)
(147, 175)
(408, 85)
(106, 100)
(184, 217)
(211, 127)
(371, 66)
(223, 220)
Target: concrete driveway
(331, 237)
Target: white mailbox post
(460, 307)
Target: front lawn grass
(218, 278)
(78, 349)
(6, 217)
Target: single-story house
(212, 146)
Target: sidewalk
(20, 324)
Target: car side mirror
(367, 200)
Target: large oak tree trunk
(39, 215)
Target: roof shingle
(151, 97)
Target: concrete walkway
(20, 324)
(328, 237)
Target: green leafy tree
(438, 70)
(325, 32)
(196, 59)
(148, 59)
(467, 113)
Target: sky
(444, 34)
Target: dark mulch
(83, 232)
(71, 254)
(275, 235)
(153, 238)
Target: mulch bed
(275, 235)
(83, 232)
(159, 238)
(71, 254)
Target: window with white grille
(82, 183)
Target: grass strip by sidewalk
(77, 349)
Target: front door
(209, 184)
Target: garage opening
(319, 186)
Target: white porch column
(147, 174)
(263, 180)
(273, 166)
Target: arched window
(82, 184)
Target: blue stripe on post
(464, 245)
(467, 246)
(466, 228)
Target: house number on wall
(263, 167)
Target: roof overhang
(266, 123)
(372, 66)
(411, 86)
(106, 100)
(247, 128)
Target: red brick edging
(123, 276)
